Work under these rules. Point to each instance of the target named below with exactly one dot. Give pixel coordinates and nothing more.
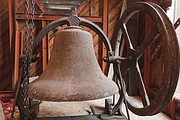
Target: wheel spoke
(126, 36)
(147, 41)
(142, 90)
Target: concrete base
(89, 117)
(65, 111)
(69, 118)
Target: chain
(31, 42)
(29, 37)
(25, 61)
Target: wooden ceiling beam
(20, 16)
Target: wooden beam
(92, 8)
(21, 16)
(41, 7)
(105, 29)
(16, 58)
(44, 48)
(82, 6)
(12, 34)
(10, 21)
(19, 4)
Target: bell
(73, 73)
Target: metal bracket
(74, 20)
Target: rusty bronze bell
(73, 73)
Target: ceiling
(61, 6)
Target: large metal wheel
(164, 35)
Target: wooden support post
(12, 34)
(16, 59)
(10, 21)
(105, 29)
(44, 48)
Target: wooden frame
(105, 29)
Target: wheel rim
(171, 49)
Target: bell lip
(84, 100)
(57, 99)
(62, 96)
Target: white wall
(174, 14)
(177, 15)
